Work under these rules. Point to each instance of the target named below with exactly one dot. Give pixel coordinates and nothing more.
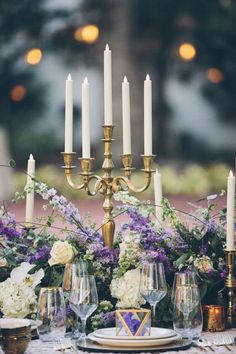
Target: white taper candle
(85, 120)
(147, 116)
(230, 245)
(69, 115)
(107, 86)
(158, 196)
(126, 117)
(29, 207)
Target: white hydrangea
(126, 290)
(204, 264)
(16, 300)
(17, 296)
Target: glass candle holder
(213, 318)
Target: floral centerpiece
(195, 242)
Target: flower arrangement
(17, 294)
(196, 242)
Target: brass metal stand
(108, 185)
(230, 283)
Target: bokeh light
(187, 51)
(88, 34)
(215, 75)
(34, 56)
(18, 93)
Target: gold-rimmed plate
(122, 343)
(155, 333)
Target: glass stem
(153, 307)
(83, 328)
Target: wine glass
(84, 299)
(71, 273)
(52, 314)
(187, 314)
(153, 285)
(182, 278)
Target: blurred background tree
(176, 40)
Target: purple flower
(211, 226)
(224, 274)
(158, 256)
(103, 254)
(108, 319)
(211, 272)
(69, 311)
(43, 254)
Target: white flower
(204, 264)
(62, 252)
(3, 262)
(20, 275)
(126, 290)
(125, 198)
(16, 300)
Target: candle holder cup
(108, 185)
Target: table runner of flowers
(34, 257)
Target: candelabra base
(230, 284)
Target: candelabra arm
(68, 167)
(99, 186)
(127, 161)
(72, 184)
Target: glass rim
(51, 288)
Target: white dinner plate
(156, 333)
(133, 343)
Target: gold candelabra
(107, 185)
(230, 283)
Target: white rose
(61, 253)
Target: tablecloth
(38, 347)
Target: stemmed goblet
(71, 273)
(153, 286)
(84, 299)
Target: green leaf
(203, 289)
(181, 259)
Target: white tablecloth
(38, 347)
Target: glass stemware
(51, 314)
(84, 299)
(71, 273)
(182, 278)
(153, 285)
(187, 313)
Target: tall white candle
(69, 115)
(29, 208)
(230, 212)
(126, 117)
(107, 87)
(158, 196)
(85, 120)
(147, 116)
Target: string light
(187, 51)
(215, 75)
(88, 34)
(34, 56)
(18, 93)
